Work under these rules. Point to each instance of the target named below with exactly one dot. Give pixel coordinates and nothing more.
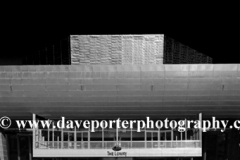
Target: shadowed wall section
(3, 146)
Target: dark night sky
(213, 34)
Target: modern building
(117, 50)
(131, 77)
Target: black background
(212, 30)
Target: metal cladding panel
(238, 74)
(99, 87)
(148, 68)
(177, 81)
(200, 74)
(5, 81)
(5, 88)
(174, 67)
(116, 49)
(131, 49)
(191, 88)
(200, 80)
(182, 86)
(28, 87)
(175, 98)
(158, 87)
(201, 67)
(149, 81)
(204, 86)
(175, 92)
(198, 92)
(225, 67)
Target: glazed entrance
(114, 142)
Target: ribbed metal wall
(178, 53)
(117, 50)
(56, 54)
(112, 91)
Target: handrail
(123, 144)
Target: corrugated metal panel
(193, 87)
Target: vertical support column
(131, 137)
(29, 148)
(116, 135)
(68, 135)
(200, 130)
(48, 138)
(18, 148)
(165, 137)
(62, 138)
(185, 129)
(145, 138)
(197, 134)
(102, 137)
(205, 148)
(152, 139)
(176, 143)
(39, 137)
(89, 138)
(53, 137)
(193, 134)
(181, 138)
(75, 138)
(58, 142)
(159, 137)
(34, 136)
(205, 144)
(82, 140)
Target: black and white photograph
(134, 87)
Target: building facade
(131, 77)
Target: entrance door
(82, 139)
(152, 138)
